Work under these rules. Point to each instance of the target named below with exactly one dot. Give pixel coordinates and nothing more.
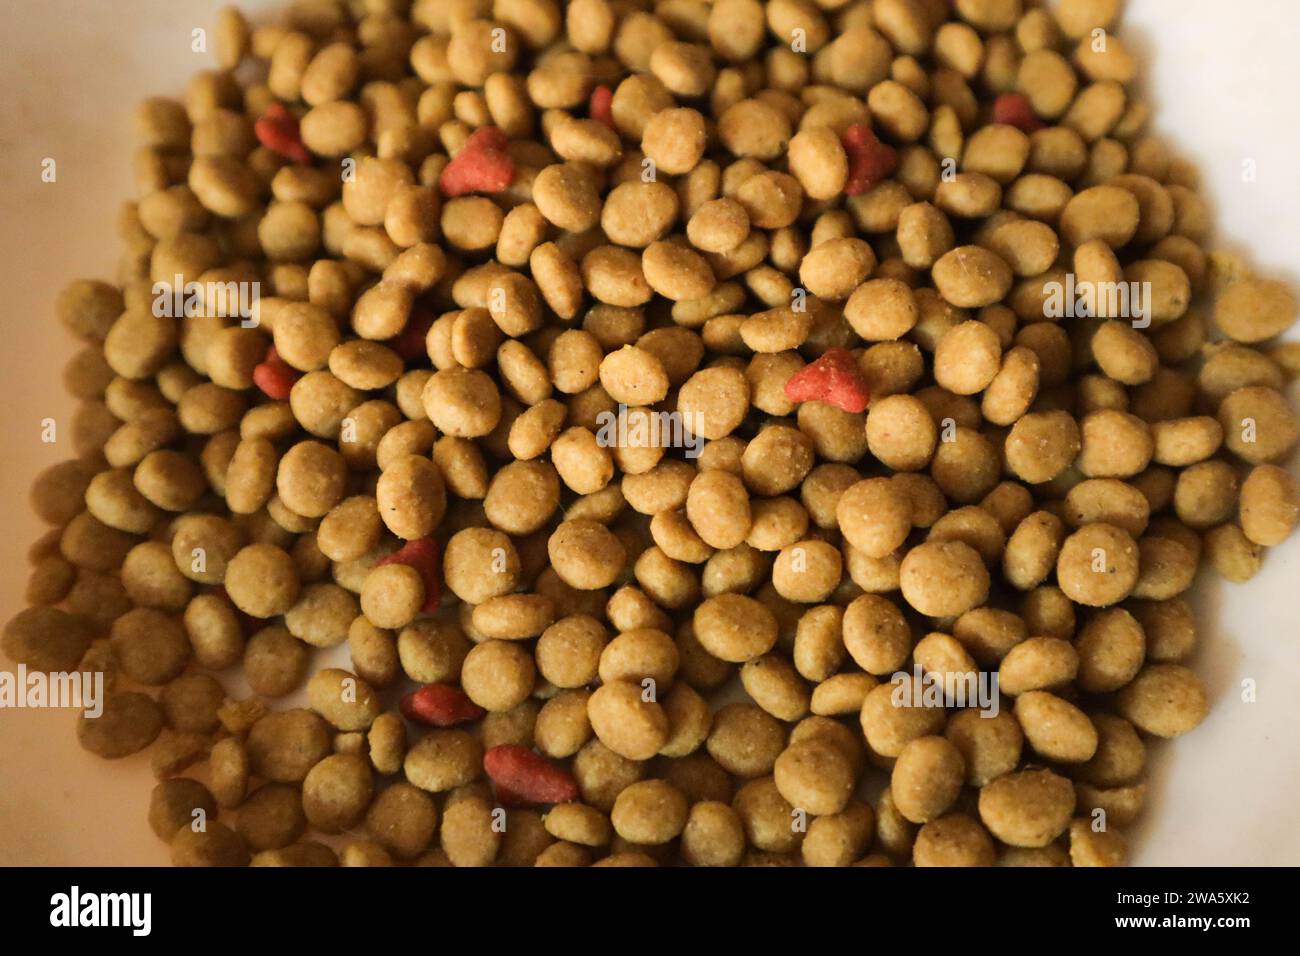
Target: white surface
(1222, 82)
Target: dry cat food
(630, 431)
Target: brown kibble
(875, 516)
(971, 277)
(1270, 505)
(285, 745)
(927, 778)
(814, 775)
(1164, 700)
(1055, 728)
(1254, 310)
(262, 580)
(1098, 565)
(1030, 808)
(129, 723)
(215, 845)
(944, 578)
(734, 627)
(953, 840)
(626, 722)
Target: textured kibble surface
(638, 433)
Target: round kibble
(1028, 809)
(1164, 700)
(1098, 565)
(944, 578)
(734, 627)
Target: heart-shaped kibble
(870, 160)
(834, 378)
(482, 165)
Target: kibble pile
(820, 246)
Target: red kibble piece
(274, 376)
(524, 777)
(1014, 109)
(409, 343)
(870, 160)
(834, 378)
(440, 705)
(601, 106)
(277, 130)
(422, 555)
(481, 166)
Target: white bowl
(1222, 84)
